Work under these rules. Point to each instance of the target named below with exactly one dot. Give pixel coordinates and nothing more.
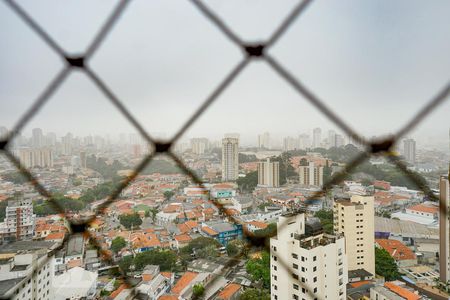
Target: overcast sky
(375, 63)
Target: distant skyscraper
(264, 140)
(83, 160)
(409, 149)
(311, 175)
(230, 158)
(30, 158)
(269, 173)
(19, 223)
(444, 228)
(67, 144)
(354, 219)
(37, 139)
(199, 145)
(304, 141)
(331, 138)
(290, 143)
(305, 263)
(317, 137)
(339, 140)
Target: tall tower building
(37, 139)
(331, 138)
(311, 175)
(444, 228)
(317, 137)
(264, 140)
(230, 158)
(306, 263)
(40, 157)
(409, 150)
(269, 173)
(304, 141)
(199, 145)
(354, 219)
(19, 223)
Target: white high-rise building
(444, 228)
(409, 150)
(311, 175)
(27, 270)
(230, 158)
(306, 263)
(38, 157)
(290, 143)
(317, 137)
(199, 145)
(304, 141)
(19, 223)
(339, 140)
(269, 173)
(264, 140)
(331, 138)
(354, 219)
(37, 139)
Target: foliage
(326, 172)
(161, 166)
(199, 244)
(129, 220)
(385, 265)
(232, 249)
(118, 244)
(255, 294)
(14, 177)
(168, 194)
(125, 263)
(165, 259)
(108, 171)
(326, 218)
(249, 182)
(303, 162)
(269, 231)
(259, 269)
(243, 158)
(206, 252)
(198, 290)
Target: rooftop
(396, 249)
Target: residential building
(306, 263)
(27, 270)
(269, 173)
(409, 150)
(199, 145)
(444, 228)
(37, 139)
(230, 158)
(264, 140)
(311, 175)
(35, 157)
(317, 137)
(290, 143)
(222, 231)
(403, 255)
(304, 141)
(19, 223)
(76, 283)
(354, 218)
(331, 138)
(394, 290)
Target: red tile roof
(229, 291)
(396, 249)
(183, 282)
(402, 292)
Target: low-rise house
(403, 255)
(76, 283)
(230, 292)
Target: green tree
(385, 265)
(303, 162)
(125, 263)
(130, 220)
(118, 244)
(199, 244)
(165, 259)
(153, 212)
(168, 194)
(326, 218)
(232, 249)
(259, 269)
(269, 231)
(248, 182)
(198, 290)
(208, 251)
(147, 213)
(255, 294)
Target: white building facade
(230, 158)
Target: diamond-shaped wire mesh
(251, 51)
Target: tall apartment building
(27, 270)
(331, 138)
(317, 137)
(230, 158)
(37, 138)
(354, 218)
(311, 175)
(199, 145)
(269, 173)
(339, 140)
(305, 263)
(409, 150)
(264, 140)
(304, 141)
(290, 143)
(37, 157)
(19, 222)
(444, 228)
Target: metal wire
(251, 51)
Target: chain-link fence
(251, 52)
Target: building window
(314, 258)
(315, 279)
(295, 286)
(295, 276)
(294, 255)
(303, 258)
(314, 269)
(295, 266)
